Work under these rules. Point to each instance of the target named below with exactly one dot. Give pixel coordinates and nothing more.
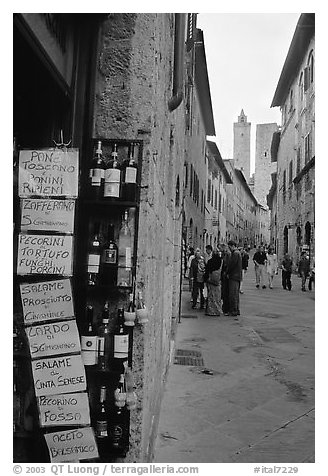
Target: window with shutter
(306, 78)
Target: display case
(75, 248)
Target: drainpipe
(178, 69)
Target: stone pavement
(246, 394)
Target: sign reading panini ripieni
(48, 173)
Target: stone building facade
(294, 146)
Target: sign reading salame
(45, 254)
(55, 375)
(68, 409)
(55, 338)
(47, 300)
(50, 172)
(47, 215)
(71, 445)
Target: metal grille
(188, 357)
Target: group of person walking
(216, 277)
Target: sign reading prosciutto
(63, 374)
(49, 172)
(68, 409)
(71, 445)
(45, 254)
(60, 337)
(48, 300)
(47, 215)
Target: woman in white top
(272, 266)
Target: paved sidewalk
(251, 400)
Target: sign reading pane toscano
(45, 254)
(50, 172)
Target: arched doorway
(285, 240)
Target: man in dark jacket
(304, 268)
(287, 267)
(225, 255)
(234, 275)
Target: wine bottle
(124, 272)
(96, 175)
(112, 180)
(109, 260)
(118, 429)
(121, 338)
(94, 257)
(130, 313)
(130, 177)
(104, 340)
(101, 423)
(89, 340)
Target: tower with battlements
(242, 145)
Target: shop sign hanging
(47, 215)
(56, 375)
(55, 338)
(67, 409)
(47, 300)
(45, 254)
(71, 445)
(49, 172)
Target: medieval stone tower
(242, 144)
(263, 165)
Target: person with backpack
(197, 272)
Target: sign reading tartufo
(56, 375)
(45, 254)
(47, 214)
(45, 301)
(78, 444)
(50, 172)
(67, 409)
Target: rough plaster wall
(133, 88)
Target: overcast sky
(245, 53)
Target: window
(209, 188)
(191, 179)
(307, 148)
(311, 66)
(291, 100)
(216, 200)
(298, 161)
(186, 174)
(284, 187)
(301, 90)
(290, 179)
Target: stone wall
(133, 86)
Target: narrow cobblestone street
(251, 398)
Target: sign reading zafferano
(50, 172)
(56, 375)
(69, 445)
(60, 337)
(45, 254)
(68, 409)
(47, 215)
(45, 301)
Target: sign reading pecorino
(67, 409)
(47, 214)
(55, 375)
(46, 301)
(77, 444)
(49, 172)
(45, 254)
(55, 338)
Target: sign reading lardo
(45, 254)
(60, 337)
(56, 375)
(47, 215)
(48, 300)
(50, 172)
(68, 409)
(78, 444)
